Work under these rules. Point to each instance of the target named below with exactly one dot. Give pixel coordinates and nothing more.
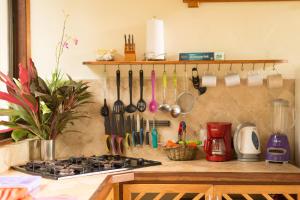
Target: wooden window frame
(21, 34)
(20, 43)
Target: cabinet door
(167, 191)
(257, 192)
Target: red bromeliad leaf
(32, 70)
(6, 130)
(30, 102)
(24, 79)
(8, 81)
(11, 99)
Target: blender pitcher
(281, 119)
(278, 148)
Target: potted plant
(43, 109)
(37, 110)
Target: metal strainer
(186, 100)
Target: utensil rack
(184, 62)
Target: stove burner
(83, 165)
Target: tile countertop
(84, 187)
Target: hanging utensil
(147, 139)
(175, 108)
(153, 104)
(164, 107)
(107, 128)
(130, 108)
(142, 131)
(120, 134)
(113, 141)
(118, 105)
(186, 99)
(182, 131)
(137, 132)
(105, 109)
(133, 123)
(154, 135)
(196, 81)
(141, 105)
(128, 132)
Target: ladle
(153, 104)
(131, 108)
(175, 108)
(164, 107)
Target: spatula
(118, 105)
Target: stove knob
(140, 162)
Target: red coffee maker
(218, 143)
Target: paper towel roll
(155, 46)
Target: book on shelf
(202, 56)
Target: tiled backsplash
(236, 105)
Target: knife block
(129, 50)
(130, 56)
(130, 53)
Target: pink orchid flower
(66, 45)
(75, 41)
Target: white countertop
(83, 187)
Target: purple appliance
(278, 148)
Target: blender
(278, 148)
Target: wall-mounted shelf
(195, 3)
(179, 62)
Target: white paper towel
(155, 46)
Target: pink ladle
(153, 105)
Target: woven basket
(181, 152)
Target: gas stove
(83, 166)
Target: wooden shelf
(179, 62)
(195, 3)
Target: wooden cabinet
(253, 192)
(209, 192)
(199, 186)
(167, 191)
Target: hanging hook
(118, 67)
(274, 67)
(152, 66)
(253, 68)
(141, 66)
(219, 68)
(242, 67)
(104, 68)
(264, 66)
(184, 67)
(175, 68)
(207, 67)
(230, 67)
(130, 67)
(164, 67)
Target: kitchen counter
(199, 170)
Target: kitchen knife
(120, 133)
(154, 134)
(113, 134)
(128, 132)
(133, 123)
(132, 43)
(107, 133)
(147, 140)
(129, 43)
(142, 132)
(138, 128)
(126, 46)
